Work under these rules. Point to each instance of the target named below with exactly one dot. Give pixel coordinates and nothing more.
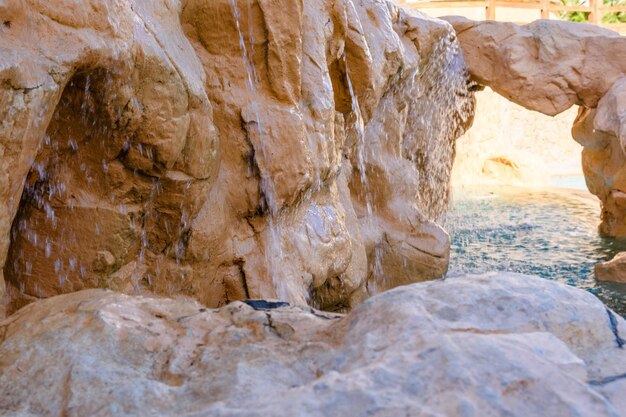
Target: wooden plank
(545, 9)
(518, 5)
(490, 10)
(562, 8)
(444, 4)
(615, 26)
(594, 16)
(609, 9)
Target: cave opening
(71, 228)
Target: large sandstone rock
(549, 66)
(225, 149)
(491, 345)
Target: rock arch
(549, 66)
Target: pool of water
(547, 232)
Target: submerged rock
(613, 270)
(496, 344)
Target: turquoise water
(549, 232)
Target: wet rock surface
(496, 344)
(219, 150)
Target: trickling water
(437, 102)
(273, 245)
(359, 128)
(551, 233)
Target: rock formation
(220, 150)
(549, 66)
(498, 344)
(613, 270)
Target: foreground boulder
(550, 66)
(225, 149)
(497, 344)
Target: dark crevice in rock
(613, 325)
(324, 316)
(244, 278)
(607, 380)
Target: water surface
(547, 232)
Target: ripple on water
(548, 232)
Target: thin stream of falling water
(273, 245)
(359, 126)
(438, 102)
(448, 94)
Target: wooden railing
(547, 9)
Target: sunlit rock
(602, 131)
(225, 149)
(613, 270)
(497, 344)
(547, 65)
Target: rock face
(225, 149)
(549, 66)
(500, 344)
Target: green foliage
(613, 17)
(575, 16)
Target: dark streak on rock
(323, 316)
(607, 380)
(613, 325)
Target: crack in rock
(613, 325)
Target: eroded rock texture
(499, 344)
(549, 66)
(225, 149)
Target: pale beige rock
(497, 344)
(215, 149)
(613, 270)
(546, 65)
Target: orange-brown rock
(225, 149)
(613, 270)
